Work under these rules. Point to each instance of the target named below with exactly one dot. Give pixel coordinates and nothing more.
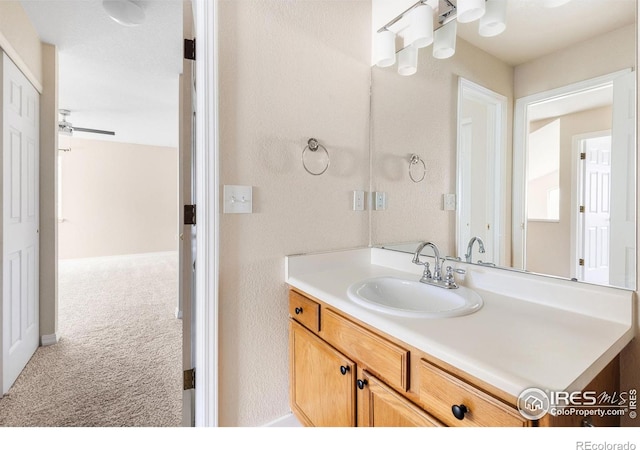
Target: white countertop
(532, 331)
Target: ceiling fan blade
(91, 130)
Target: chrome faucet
(437, 270)
(448, 281)
(467, 257)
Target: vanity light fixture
(494, 20)
(421, 30)
(408, 60)
(125, 12)
(470, 10)
(444, 43)
(385, 48)
(434, 22)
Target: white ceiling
(112, 77)
(125, 79)
(533, 30)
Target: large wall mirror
(533, 134)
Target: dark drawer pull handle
(344, 369)
(298, 310)
(459, 411)
(361, 384)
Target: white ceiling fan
(65, 127)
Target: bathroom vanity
(352, 365)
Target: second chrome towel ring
(416, 172)
(314, 146)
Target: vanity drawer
(373, 352)
(305, 311)
(440, 391)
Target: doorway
(73, 162)
(592, 214)
(553, 212)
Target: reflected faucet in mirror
(467, 256)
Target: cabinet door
(381, 406)
(322, 381)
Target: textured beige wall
(418, 114)
(117, 198)
(48, 192)
(589, 59)
(21, 41)
(292, 70)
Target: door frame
(496, 127)
(205, 322)
(520, 149)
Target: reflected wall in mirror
(542, 50)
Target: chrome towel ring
(414, 162)
(313, 146)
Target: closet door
(20, 243)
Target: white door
(20, 252)
(623, 164)
(597, 207)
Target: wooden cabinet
(457, 403)
(305, 311)
(346, 373)
(323, 386)
(322, 381)
(381, 406)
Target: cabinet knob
(344, 369)
(459, 411)
(298, 310)
(361, 384)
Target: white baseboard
(49, 339)
(178, 313)
(285, 421)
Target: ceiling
(113, 77)
(125, 79)
(533, 30)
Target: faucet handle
(449, 279)
(426, 275)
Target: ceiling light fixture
(434, 21)
(554, 3)
(125, 12)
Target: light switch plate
(237, 199)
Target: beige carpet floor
(118, 362)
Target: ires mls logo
(534, 403)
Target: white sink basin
(409, 298)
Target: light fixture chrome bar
(443, 18)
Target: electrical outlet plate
(358, 201)
(449, 201)
(380, 201)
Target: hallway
(119, 358)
